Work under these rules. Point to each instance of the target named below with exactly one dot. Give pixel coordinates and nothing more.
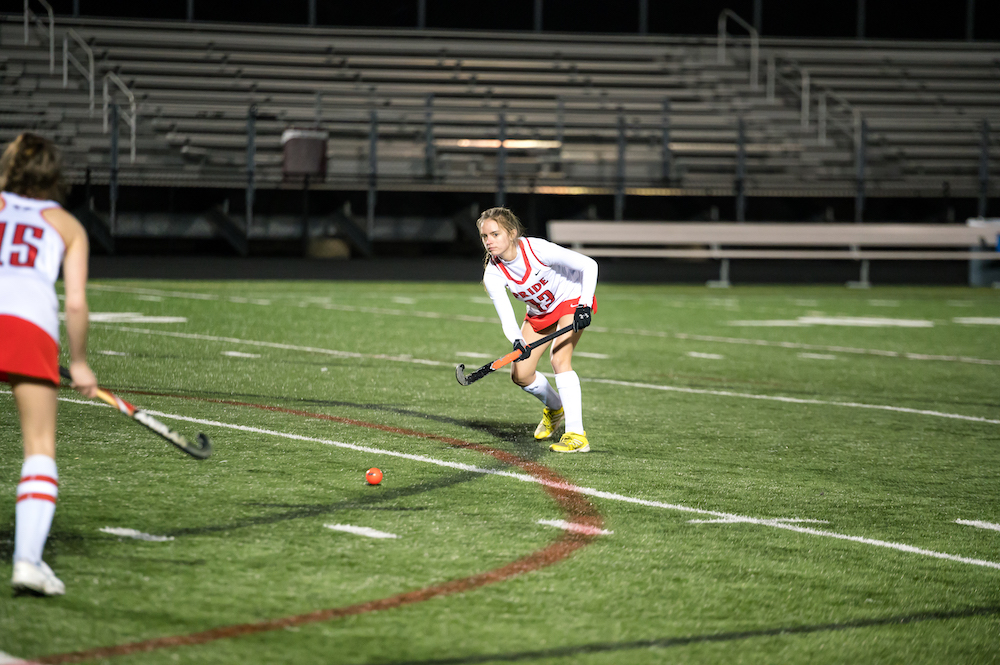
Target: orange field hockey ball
(373, 476)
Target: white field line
(630, 384)
(130, 317)
(810, 347)
(361, 531)
(705, 356)
(793, 400)
(817, 356)
(137, 535)
(286, 347)
(576, 527)
(979, 525)
(783, 520)
(411, 312)
(851, 321)
(178, 294)
(7, 659)
(587, 491)
(599, 329)
(977, 321)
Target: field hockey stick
(200, 450)
(505, 360)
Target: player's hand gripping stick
(516, 354)
(200, 450)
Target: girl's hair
(32, 166)
(507, 221)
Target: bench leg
(723, 281)
(863, 281)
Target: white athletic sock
(541, 389)
(36, 504)
(568, 384)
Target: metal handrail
(805, 91)
(88, 73)
(754, 44)
(51, 31)
(129, 117)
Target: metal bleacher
(589, 110)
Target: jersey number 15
(20, 253)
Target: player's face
(495, 239)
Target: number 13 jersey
(543, 275)
(31, 251)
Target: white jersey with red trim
(542, 275)
(31, 252)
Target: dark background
(884, 19)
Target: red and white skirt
(542, 321)
(27, 350)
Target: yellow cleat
(551, 420)
(571, 442)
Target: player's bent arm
(75, 283)
(551, 253)
(496, 287)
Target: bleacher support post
(501, 197)
(741, 167)
(821, 119)
(190, 10)
(421, 14)
(97, 230)
(312, 13)
(305, 215)
(861, 19)
(113, 175)
(538, 16)
(372, 174)
(861, 134)
(861, 138)
(970, 20)
(667, 168)
(758, 16)
(984, 168)
(643, 17)
(560, 118)
(771, 75)
(251, 165)
(804, 113)
(620, 174)
(429, 135)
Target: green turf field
(778, 475)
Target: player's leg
(574, 440)
(38, 488)
(533, 382)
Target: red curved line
(576, 507)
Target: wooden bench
(976, 241)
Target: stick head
(460, 374)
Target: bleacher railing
(804, 90)
(130, 117)
(29, 17)
(724, 15)
(88, 71)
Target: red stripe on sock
(44, 479)
(35, 495)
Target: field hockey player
(36, 237)
(557, 285)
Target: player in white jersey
(557, 285)
(37, 237)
